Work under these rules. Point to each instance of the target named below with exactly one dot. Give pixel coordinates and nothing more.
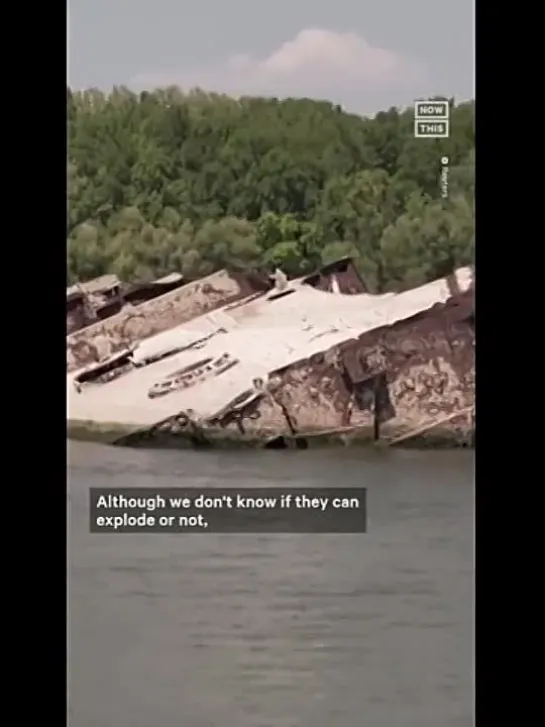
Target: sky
(366, 55)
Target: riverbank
(123, 435)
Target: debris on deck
(313, 362)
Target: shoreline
(124, 435)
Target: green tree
(166, 180)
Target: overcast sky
(364, 54)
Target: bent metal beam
(306, 365)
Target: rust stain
(416, 370)
(136, 323)
(390, 382)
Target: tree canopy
(166, 181)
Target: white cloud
(318, 63)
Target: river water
(371, 630)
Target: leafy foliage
(195, 182)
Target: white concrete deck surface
(263, 334)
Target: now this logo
(431, 119)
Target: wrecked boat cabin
(231, 361)
(101, 298)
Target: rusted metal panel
(427, 365)
(141, 292)
(390, 382)
(343, 272)
(136, 323)
(113, 316)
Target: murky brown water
(370, 630)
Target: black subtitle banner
(210, 510)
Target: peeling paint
(411, 379)
(135, 323)
(416, 371)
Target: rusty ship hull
(301, 367)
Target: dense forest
(167, 181)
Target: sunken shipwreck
(235, 360)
